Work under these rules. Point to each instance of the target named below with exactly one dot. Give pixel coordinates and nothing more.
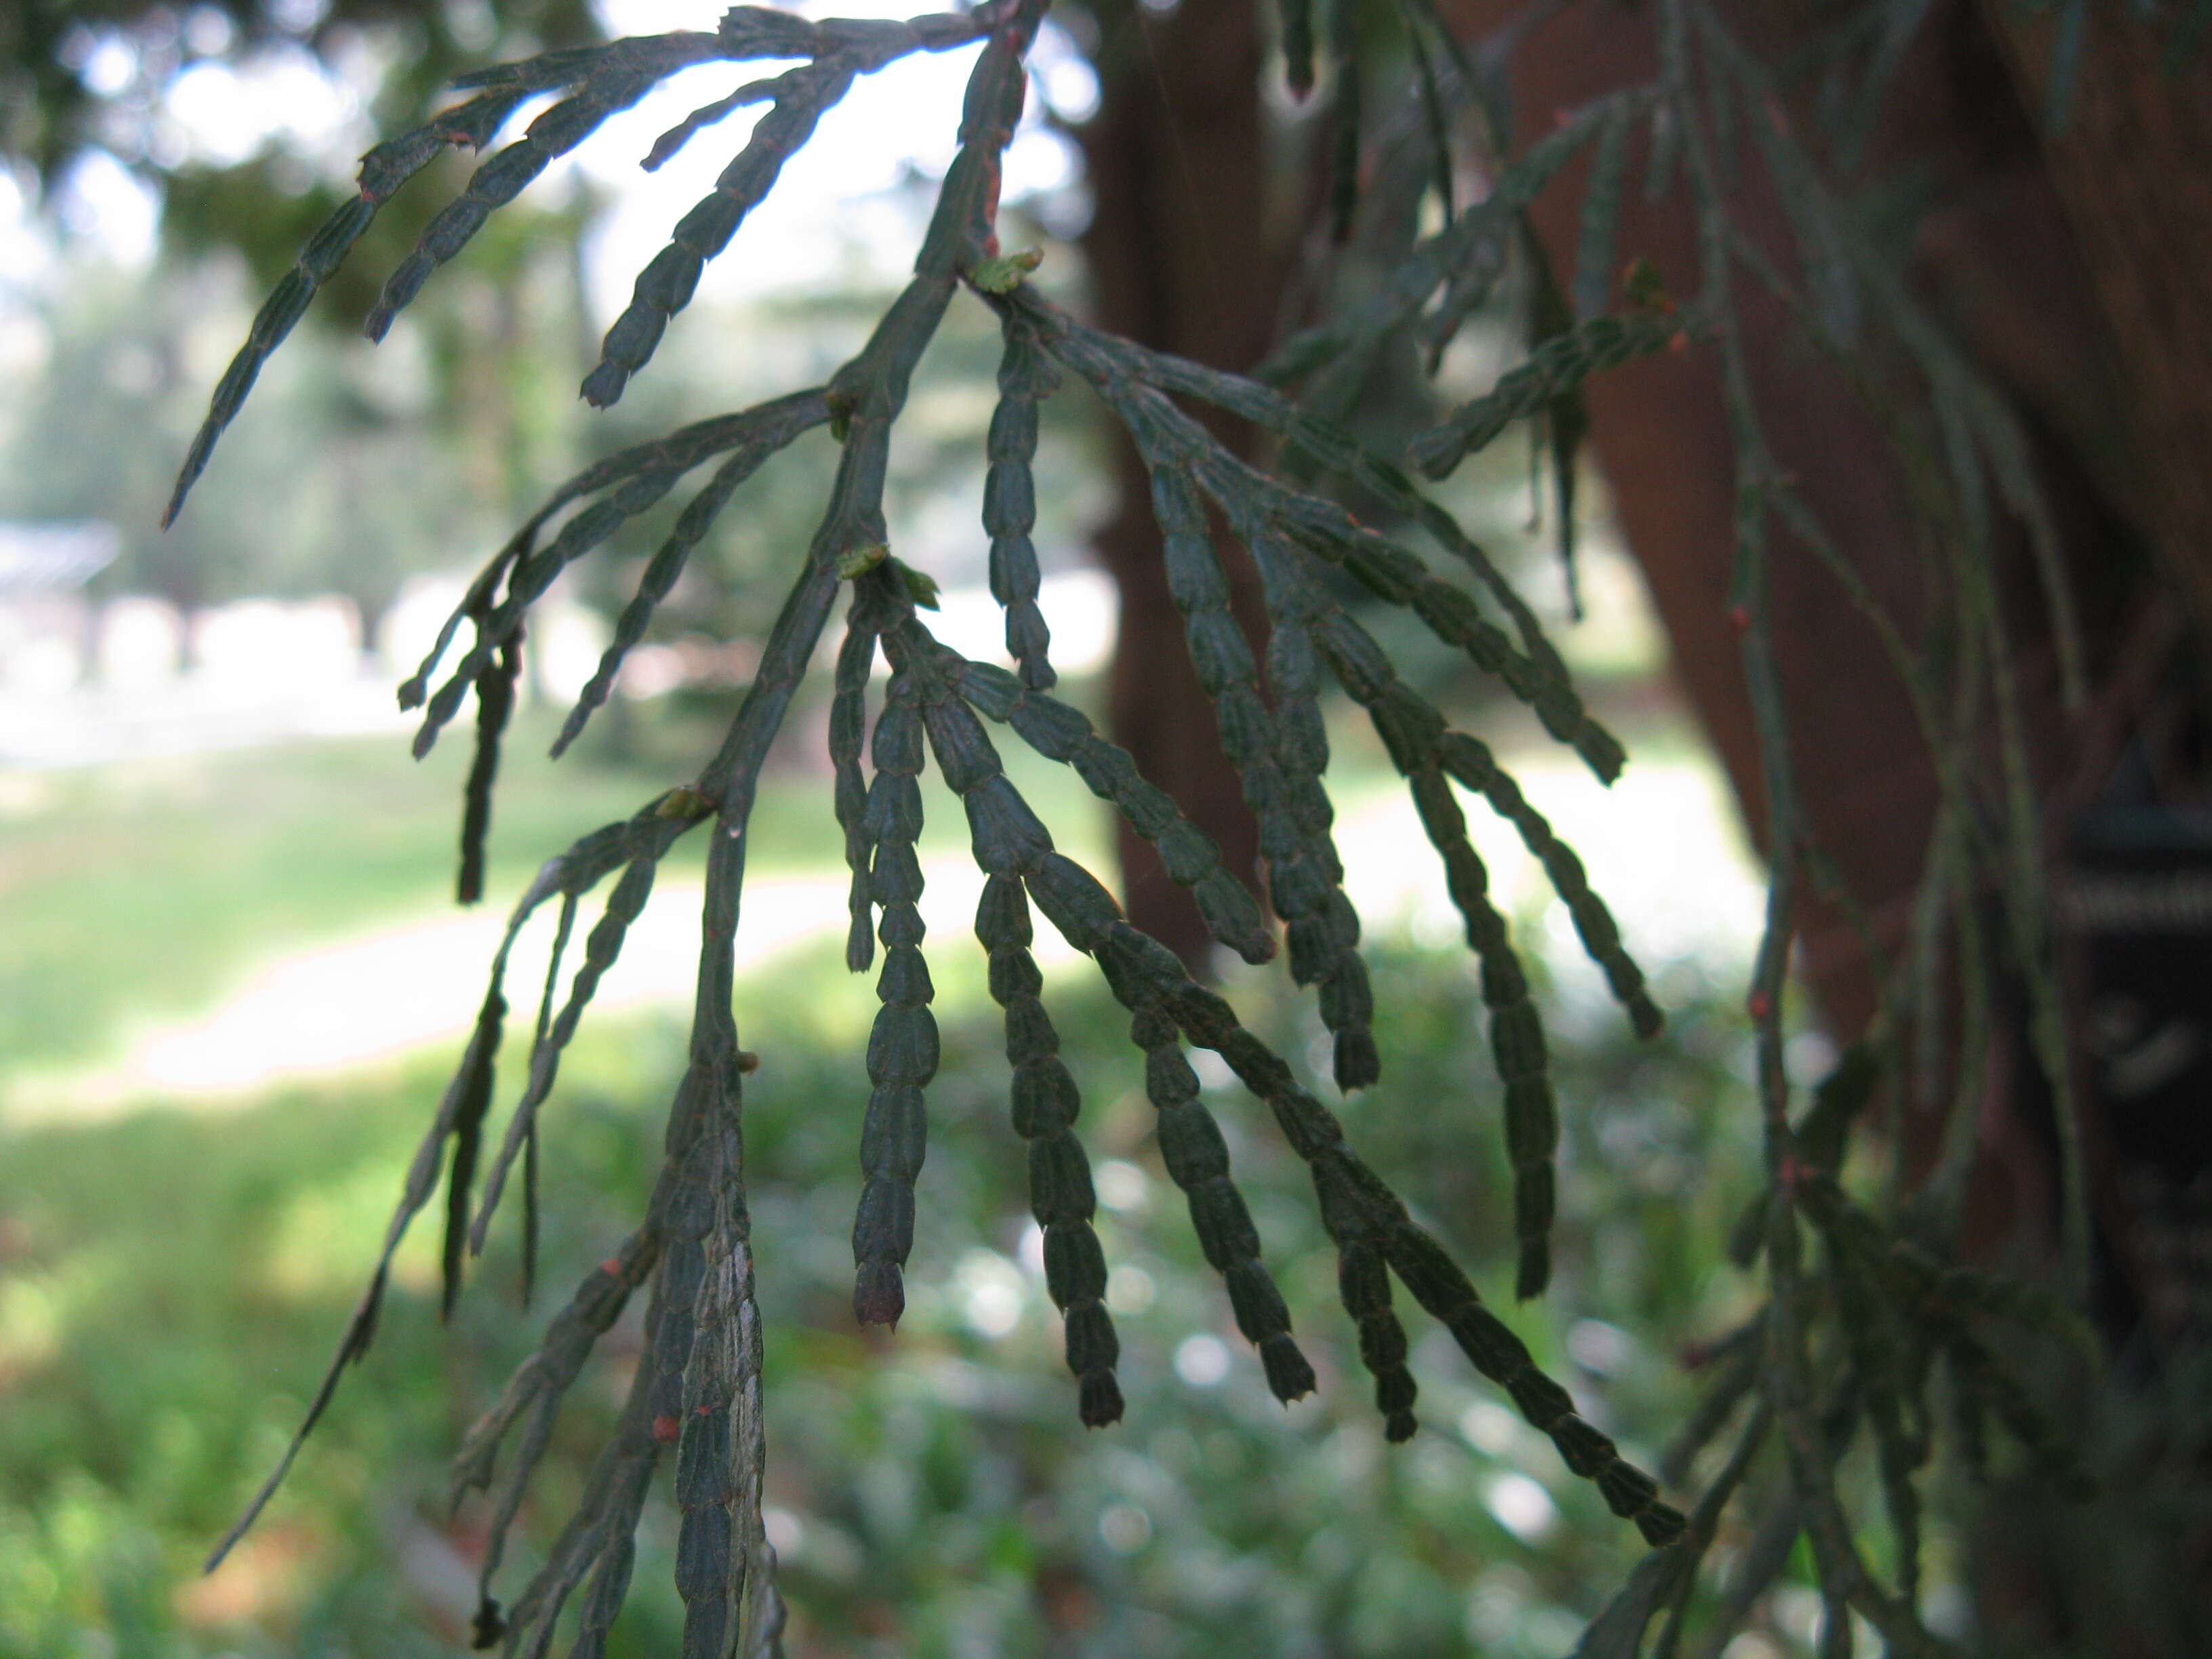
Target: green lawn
(138, 892)
(171, 1284)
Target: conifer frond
(1469, 763)
(848, 720)
(675, 454)
(533, 1395)
(1305, 877)
(798, 101)
(1474, 242)
(1436, 114)
(616, 77)
(1899, 24)
(1357, 1208)
(1601, 220)
(1737, 1357)
(1618, 1632)
(1363, 1285)
(1412, 731)
(1132, 376)
(643, 481)
(662, 570)
(383, 170)
(707, 115)
(708, 1351)
(1025, 379)
(903, 1046)
(596, 1540)
(1874, 1327)
(495, 705)
(1294, 678)
(1062, 734)
(1556, 367)
(625, 902)
(1197, 1160)
(1045, 1105)
(466, 1098)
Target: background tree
(2042, 279)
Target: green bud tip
(1005, 273)
(858, 560)
(920, 587)
(1644, 288)
(683, 802)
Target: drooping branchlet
(903, 1046)
(1045, 1102)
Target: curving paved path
(1660, 845)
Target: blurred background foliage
(172, 1277)
(174, 1264)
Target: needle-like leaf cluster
(1860, 1337)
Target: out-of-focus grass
(135, 890)
(171, 1285)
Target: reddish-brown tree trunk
(1180, 259)
(2075, 268)
(1865, 781)
(2130, 158)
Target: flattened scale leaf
(800, 97)
(1555, 369)
(1412, 732)
(849, 719)
(769, 435)
(1045, 1102)
(1197, 1160)
(1356, 1205)
(1601, 220)
(1535, 673)
(1469, 763)
(641, 476)
(495, 707)
(1320, 943)
(1025, 379)
(383, 171)
(707, 115)
(902, 1045)
(1061, 732)
(616, 77)
(582, 866)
